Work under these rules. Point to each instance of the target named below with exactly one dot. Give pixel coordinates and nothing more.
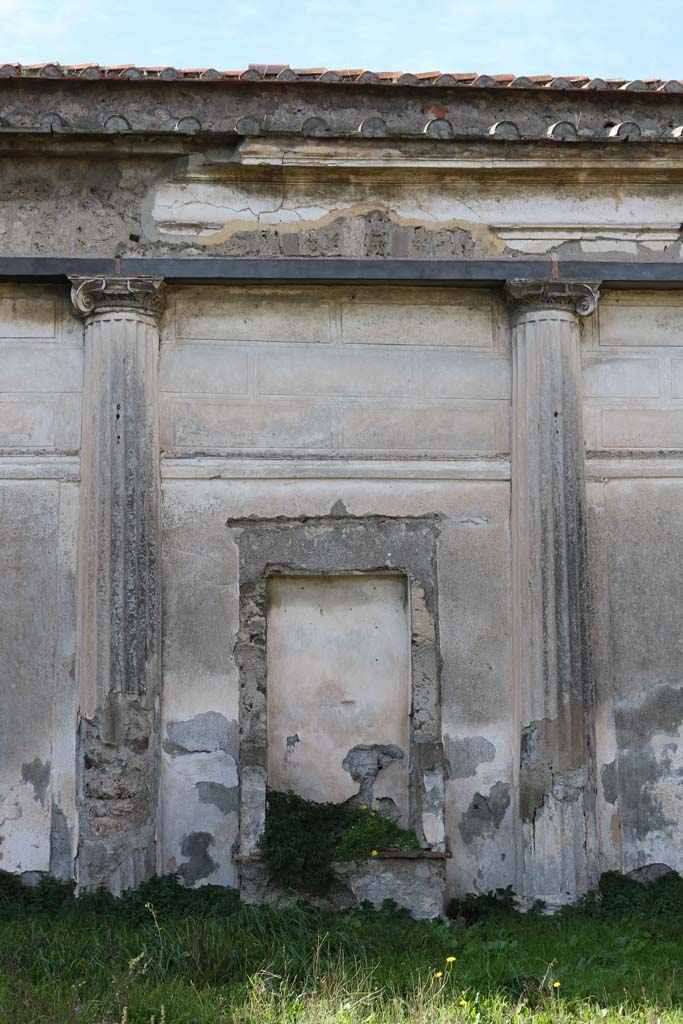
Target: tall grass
(202, 958)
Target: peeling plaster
(225, 798)
(60, 844)
(199, 864)
(466, 753)
(548, 752)
(204, 734)
(650, 774)
(608, 775)
(291, 222)
(37, 774)
(364, 763)
(485, 813)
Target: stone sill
(255, 858)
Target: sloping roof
(353, 76)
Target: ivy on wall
(302, 839)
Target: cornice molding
(98, 295)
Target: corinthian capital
(91, 295)
(574, 297)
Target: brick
(243, 318)
(259, 425)
(333, 371)
(640, 428)
(621, 378)
(394, 323)
(459, 375)
(642, 326)
(207, 369)
(41, 367)
(443, 428)
(27, 318)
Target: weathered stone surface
(650, 873)
(553, 665)
(303, 547)
(119, 612)
(341, 371)
(419, 886)
(339, 680)
(37, 566)
(331, 405)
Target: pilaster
(552, 659)
(119, 605)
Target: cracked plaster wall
(368, 198)
(338, 686)
(640, 766)
(377, 353)
(38, 523)
(201, 588)
(630, 355)
(632, 360)
(230, 210)
(39, 434)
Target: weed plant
(302, 839)
(181, 956)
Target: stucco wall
(318, 372)
(41, 354)
(388, 374)
(634, 424)
(336, 402)
(339, 680)
(201, 613)
(293, 402)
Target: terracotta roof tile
(348, 76)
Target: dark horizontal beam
(612, 273)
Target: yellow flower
(556, 984)
(462, 1002)
(438, 974)
(372, 814)
(451, 959)
(374, 853)
(363, 807)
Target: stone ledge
(256, 858)
(416, 884)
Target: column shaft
(553, 670)
(119, 609)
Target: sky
(600, 38)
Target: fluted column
(119, 606)
(553, 673)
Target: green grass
(205, 958)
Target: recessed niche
(339, 688)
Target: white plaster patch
(338, 677)
(209, 206)
(184, 812)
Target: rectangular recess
(339, 676)
(27, 318)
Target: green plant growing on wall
(302, 839)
